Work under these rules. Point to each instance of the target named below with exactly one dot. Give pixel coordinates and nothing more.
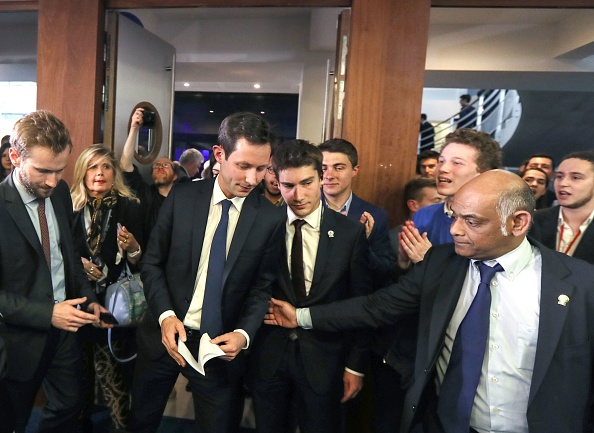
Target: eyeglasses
(270, 170)
(161, 165)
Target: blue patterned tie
(458, 389)
(212, 322)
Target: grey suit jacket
(26, 293)
(561, 390)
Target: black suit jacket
(170, 264)
(561, 390)
(544, 229)
(26, 293)
(340, 272)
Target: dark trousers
(217, 396)
(389, 397)
(59, 372)
(272, 399)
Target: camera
(148, 118)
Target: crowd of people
(472, 315)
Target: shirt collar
(25, 195)
(345, 207)
(447, 210)
(514, 261)
(218, 196)
(561, 221)
(313, 219)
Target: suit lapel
(199, 218)
(446, 299)
(324, 247)
(552, 315)
(247, 217)
(18, 212)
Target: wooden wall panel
(135, 4)
(384, 89)
(70, 68)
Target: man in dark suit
(341, 165)
(531, 367)
(324, 259)
(42, 281)
(192, 290)
(567, 227)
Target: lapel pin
(330, 233)
(563, 300)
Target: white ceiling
(230, 49)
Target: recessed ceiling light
(211, 111)
(262, 112)
(256, 86)
(186, 84)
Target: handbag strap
(120, 360)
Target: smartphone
(119, 227)
(108, 318)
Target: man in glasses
(151, 196)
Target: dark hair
(338, 145)
(252, 127)
(423, 116)
(40, 128)
(296, 154)
(414, 188)
(465, 97)
(542, 155)
(489, 152)
(4, 147)
(585, 155)
(531, 169)
(426, 154)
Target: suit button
(414, 408)
(425, 371)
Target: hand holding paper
(206, 351)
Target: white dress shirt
(501, 399)
(566, 240)
(56, 259)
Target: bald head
(492, 214)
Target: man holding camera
(151, 196)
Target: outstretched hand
(413, 243)
(281, 313)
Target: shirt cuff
(304, 318)
(356, 373)
(165, 314)
(247, 338)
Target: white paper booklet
(206, 352)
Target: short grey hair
(515, 198)
(191, 155)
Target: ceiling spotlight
(186, 84)
(211, 111)
(256, 86)
(262, 112)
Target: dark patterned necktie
(297, 273)
(45, 242)
(458, 389)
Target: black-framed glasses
(162, 165)
(270, 169)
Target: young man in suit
(208, 268)
(566, 227)
(324, 259)
(340, 166)
(512, 355)
(44, 294)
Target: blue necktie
(458, 389)
(212, 322)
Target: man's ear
(15, 158)
(219, 153)
(521, 221)
(412, 205)
(355, 170)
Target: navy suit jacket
(544, 229)
(379, 242)
(340, 272)
(26, 292)
(561, 394)
(170, 264)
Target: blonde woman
(107, 232)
